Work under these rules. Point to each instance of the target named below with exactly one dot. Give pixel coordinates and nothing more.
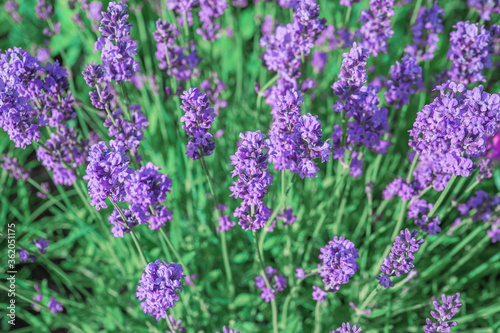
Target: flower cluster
(451, 131)
(359, 104)
(483, 208)
(209, 11)
(347, 328)
(419, 210)
(106, 173)
(286, 216)
(159, 288)
(183, 9)
(129, 134)
(116, 46)
(296, 139)
(180, 62)
(225, 224)
(18, 69)
(338, 263)
(400, 260)
(250, 165)
(469, 52)
(176, 325)
(24, 256)
(406, 80)
(226, 329)
(41, 244)
(443, 314)
(145, 190)
(215, 88)
(289, 43)
(277, 282)
(485, 7)
(197, 120)
(11, 7)
(426, 30)
(376, 28)
(13, 169)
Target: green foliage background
(95, 275)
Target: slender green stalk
(170, 326)
(442, 196)
(225, 256)
(268, 284)
(367, 300)
(264, 88)
(317, 316)
(203, 306)
(134, 237)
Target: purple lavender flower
(42, 244)
(400, 260)
(119, 224)
(13, 169)
(338, 263)
(250, 165)
(347, 328)
(211, 10)
(225, 224)
(45, 189)
(95, 10)
(11, 8)
(117, 49)
(300, 273)
(180, 62)
(406, 80)
(176, 324)
(106, 173)
(214, 88)
(366, 121)
(17, 82)
(348, 3)
(335, 38)
(296, 139)
(469, 53)
(278, 283)
(183, 8)
(484, 208)
(485, 7)
(419, 210)
(145, 190)
(197, 121)
(43, 10)
(226, 329)
(38, 296)
(376, 28)
(426, 32)
(24, 256)
(129, 133)
(319, 294)
(55, 306)
(64, 153)
(451, 131)
(443, 314)
(159, 288)
(289, 43)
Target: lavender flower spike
(197, 121)
(400, 260)
(250, 165)
(347, 328)
(338, 263)
(106, 173)
(443, 314)
(159, 288)
(376, 28)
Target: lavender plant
(356, 144)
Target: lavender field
(247, 166)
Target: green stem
(225, 256)
(264, 88)
(367, 300)
(203, 306)
(134, 237)
(317, 320)
(442, 196)
(268, 284)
